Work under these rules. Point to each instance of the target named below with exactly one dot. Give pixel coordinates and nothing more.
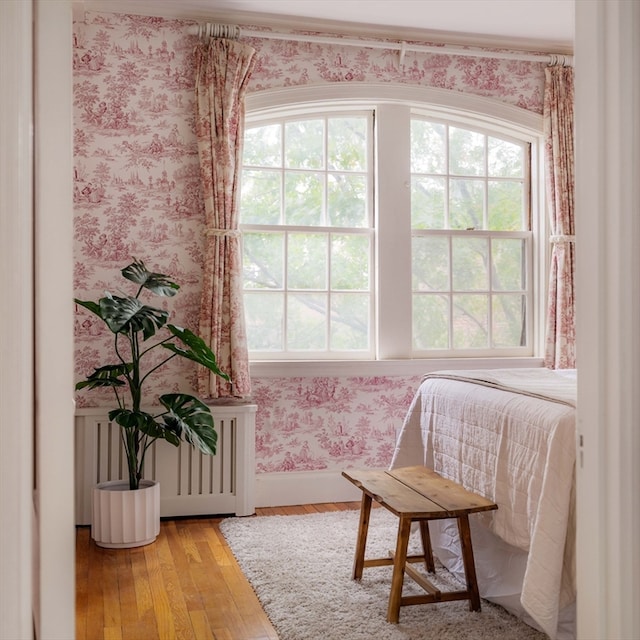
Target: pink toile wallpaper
(137, 193)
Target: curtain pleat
(223, 68)
(560, 352)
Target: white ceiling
(542, 23)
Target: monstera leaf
(157, 283)
(124, 314)
(144, 423)
(107, 376)
(197, 350)
(191, 420)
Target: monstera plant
(140, 333)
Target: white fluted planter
(123, 518)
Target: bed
(509, 435)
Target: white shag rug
(300, 568)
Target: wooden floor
(186, 585)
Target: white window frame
(368, 231)
(394, 316)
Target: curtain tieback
(561, 239)
(232, 233)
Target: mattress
(508, 435)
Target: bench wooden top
(418, 492)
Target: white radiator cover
(191, 483)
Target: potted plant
(179, 416)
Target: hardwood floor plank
(95, 596)
(173, 588)
(184, 553)
(111, 593)
(200, 624)
(144, 599)
(161, 608)
(127, 591)
(187, 536)
(82, 582)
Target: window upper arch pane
(433, 102)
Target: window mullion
(393, 230)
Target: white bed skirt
(500, 569)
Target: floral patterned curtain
(223, 67)
(559, 161)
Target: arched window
(400, 227)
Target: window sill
(342, 368)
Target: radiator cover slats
(191, 483)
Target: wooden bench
(417, 494)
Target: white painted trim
(54, 317)
(16, 321)
(440, 102)
(486, 114)
(303, 487)
(608, 317)
(291, 369)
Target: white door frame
(16, 320)
(54, 360)
(37, 550)
(607, 58)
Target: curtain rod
(212, 30)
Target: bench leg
(399, 561)
(363, 529)
(469, 564)
(426, 546)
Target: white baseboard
(303, 487)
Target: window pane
(428, 147)
(466, 204)
(307, 322)
(470, 264)
(350, 321)
(466, 152)
(303, 199)
(428, 202)
(470, 321)
(307, 261)
(264, 317)
(263, 260)
(505, 159)
(260, 197)
(430, 257)
(347, 144)
(505, 205)
(347, 200)
(263, 146)
(304, 144)
(509, 269)
(509, 320)
(430, 322)
(350, 262)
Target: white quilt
(509, 435)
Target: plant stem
(135, 468)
